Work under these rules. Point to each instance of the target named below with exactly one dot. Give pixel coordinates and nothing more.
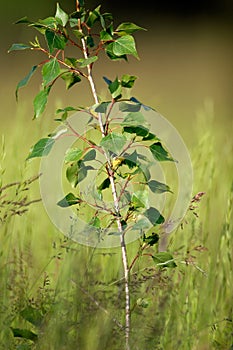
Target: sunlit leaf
(164, 259)
(113, 142)
(50, 71)
(128, 28)
(86, 62)
(61, 16)
(40, 101)
(115, 88)
(41, 148)
(127, 81)
(73, 154)
(124, 45)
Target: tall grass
(78, 290)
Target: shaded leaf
(93, 17)
(102, 107)
(54, 40)
(154, 216)
(32, 315)
(24, 333)
(129, 107)
(134, 119)
(69, 200)
(115, 88)
(70, 79)
(25, 80)
(105, 184)
(152, 239)
(89, 155)
(141, 224)
(41, 148)
(159, 153)
(138, 130)
(158, 187)
(19, 47)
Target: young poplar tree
(119, 147)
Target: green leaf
(154, 216)
(127, 81)
(124, 45)
(41, 148)
(89, 155)
(138, 130)
(134, 119)
(93, 17)
(112, 55)
(77, 172)
(102, 107)
(142, 302)
(73, 154)
(55, 41)
(141, 224)
(95, 222)
(113, 142)
(164, 259)
(90, 41)
(32, 315)
(150, 137)
(22, 20)
(50, 71)
(129, 107)
(128, 28)
(25, 80)
(105, 36)
(71, 61)
(115, 88)
(24, 333)
(61, 16)
(40, 101)
(69, 200)
(159, 153)
(77, 33)
(86, 62)
(140, 199)
(152, 239)
(70, 79)
(19, 47)
(158, 187)
(105, 184)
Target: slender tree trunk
(117, 209)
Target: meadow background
(185, 72)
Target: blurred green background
(186, 58)
(185, 72)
